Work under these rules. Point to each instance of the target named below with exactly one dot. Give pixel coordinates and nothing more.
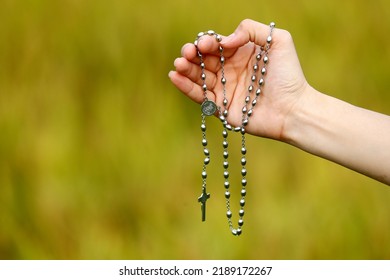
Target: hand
(284, 80)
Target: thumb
(247, 31)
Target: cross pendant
(202, 199)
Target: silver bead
(227, 195)
(202, 65)
(204, 142)
(243, 193)
(225, 144)
(229, 214)
(204, 87)
(237, 129)
(222, 59)
(250, 112)
(239, 231)
(203, 76)
(225, 154)
(243, 172)
(258, 91)
(243, 161)
(228, 127)
(207, 160)
(225, 101)
(196, 43)
(269, 39)
(223, 80)
(200, 34)
(254, 102)
(243, 150)
(227, 185)
(243, 182)
(250, 88)
(247, 99)
(225, 164)
(211, 32)
(253, 78)
(242, 130)
(258, 56)
(265, 59)
(206, 152)
(203, 127)
(234, 231)
(272, 24)
(242, 202)
(224, 133)
(222, 118)
(263, 70)
(225, 113)
(245, 122)
(261, 82)
(241, 212)
(244, 109)
(240, 222)
(226, 174)
(255, 67)
(204, 175)
(219, 38)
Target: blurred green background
(100, 156)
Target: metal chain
(210, 108)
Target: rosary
(209, 108)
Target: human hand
(284, 80)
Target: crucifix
(202, 199)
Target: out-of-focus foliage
(100, 155)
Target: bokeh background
(100, 156)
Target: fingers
(188, 87)
(247, 31)
(194, 72)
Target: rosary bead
(261, 82)
(225, 154)
(229, 214)
(258, 56)
(263, 70)
(265, 59)
(206, 160)
(225, 144)
(245, 122)
(219, 38)
(206, 152)
(241, 212)
(242, 202)
(244, 109)
(247, 99)
(203, 76)
(203, 127)
(225, 113)
(224, 133)
(225, 101)
(254, 102)
(269, 39)
(222, 59)
(239, 231)
(243, 193)
(220, 49)
(250, 112)
(243, 161)
(243, 182)
(234, 232)
(222, 118)
(204, 87)
(200, 34)
(240, 222)
(255, 67)
(253, 78)
(237, 129)
(250, 88)
(204, 142)
(226, 174)
(225, 164)
(243, 172)
(228, 127)
(227, 185)
(272, 24)
(243, 150)
(242, 130)
(204, 175)
(223, 80)
(202, 65)
(211, 32)
(196, 43)
(227, 194)
(258, 91)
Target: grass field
(100, 156)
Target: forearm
(348, 135)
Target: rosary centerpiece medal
(210, 108)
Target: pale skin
(289, 109)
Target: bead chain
(209, 108)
